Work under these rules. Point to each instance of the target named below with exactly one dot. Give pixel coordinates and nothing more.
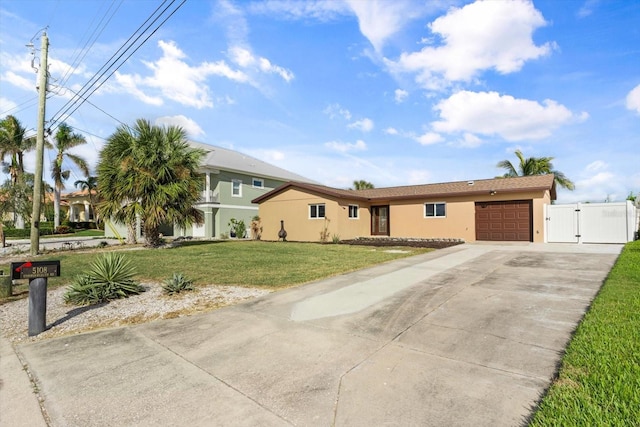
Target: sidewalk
(19, 405)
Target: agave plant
(176, 284)
(109, 277)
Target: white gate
(590, 223)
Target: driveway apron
(466, 336)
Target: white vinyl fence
(591, 223)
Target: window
(236, 188)
(257, 183)
(353, 211)
(316, 211)
(435, 210)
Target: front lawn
(599, 381)
(243, 263)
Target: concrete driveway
(469, 335)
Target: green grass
(599, 380)
(251, 263)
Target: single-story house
(500, 209)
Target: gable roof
(230, 160)
(446, 189)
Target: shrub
(238, 228)
(63, 229)
(102, 244)
(109, 277)
(176, 284)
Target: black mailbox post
(37, 272)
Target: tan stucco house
(500, 209)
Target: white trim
(253, 180)
(252, 208)
(234, 181)
(357, 211)
(424, 210)
(318, 213)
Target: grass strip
(271, 265)
(599, 380)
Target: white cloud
(596, 166)
(335, 110)
(177, 80)
(418, 177)
(401, 95)
(245, 59)
(391, 131)
(633, 99)
(322, 10)
(344, 147)
(489, 113)
(587, 8)
(19, 81)
(380, 19)
(190, 126)
(470, 140)
(480, 36)
(130, 84)
(364, 125)
(6, 105)
(429, 138)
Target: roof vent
(470, 182)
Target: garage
(504, 221)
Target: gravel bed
(63, 319)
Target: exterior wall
(225, 206)
(406, 218)
(292, 207)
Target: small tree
(534, 166)
(65, 139)
(150, 172)
(362, 185)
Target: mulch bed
(394, 241)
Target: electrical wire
(91, 40)
(114, 64)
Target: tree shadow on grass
(76, 312)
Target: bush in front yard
(176, 284)
(110, 277)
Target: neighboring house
(76, 206)
(230, 180)
(501, 209)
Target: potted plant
(238, 228)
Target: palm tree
(535, 166)
(149, 172)
(90, 184)
(65, 139)
(14, 143)
(362, 185)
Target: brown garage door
(504, 221)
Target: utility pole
(37, 179)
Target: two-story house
(230, 181)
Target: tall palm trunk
(131, 234)
(56, 208)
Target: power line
(114, 64)
(97, 32)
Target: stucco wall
(292, 207)
(406, 218)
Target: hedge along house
(501, 209)
(230, 180)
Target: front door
(380, 220)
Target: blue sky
(393, 92)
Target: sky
(394, 92)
